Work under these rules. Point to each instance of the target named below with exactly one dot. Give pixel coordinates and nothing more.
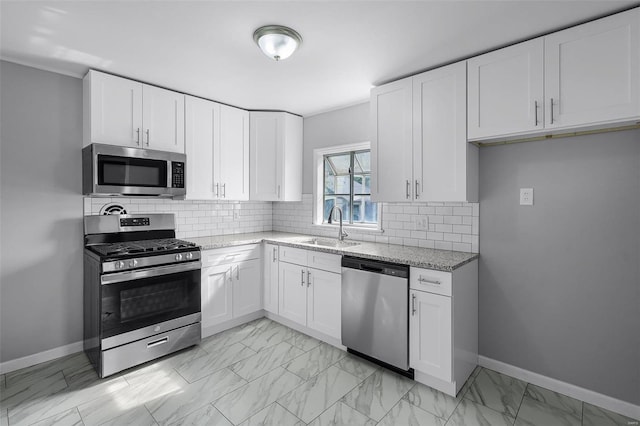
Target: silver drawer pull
(424, 280)
(158, 342)
(413, 304)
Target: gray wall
(560, 281)
(41, 211)
(339, 127)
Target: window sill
(373, 230)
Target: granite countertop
(442, 260)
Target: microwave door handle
(120, 277)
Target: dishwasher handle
(375, 266)
(372, 268)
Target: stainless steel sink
(327, 242)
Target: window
(344, 180)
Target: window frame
(318, 186)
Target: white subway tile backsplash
(197, 218)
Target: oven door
(148, 299)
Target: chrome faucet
(341, 233)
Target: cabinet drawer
(230, 255)
(325, 261)
(437, 282)
(293, 255)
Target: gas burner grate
(143, 246)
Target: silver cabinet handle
(308, 278)
(278, 192)
(275, 251)
(413, 304)
(408, 189)
(237, 272)
(148, 138)
(158, 342)
(217, 189)
(535, 107)
(551, 110)
(302, 277)
(138, 136)
(424, 280)
(224, 190)
(417, 183)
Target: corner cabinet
(587, 77)
(231, 285)
(310, 289)
(217, 147)
(275, 156)
(419, 149)
(443, 326)
(118, 111)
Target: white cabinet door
(270, 278)
(592, 72)
(247, 287)
(233, 162)
(266, 155)
(202, 120)
(216, 295)
(391, 142)
(323, 302)
(430, 347)
(506, 90)
(113, 110)
(292, 300)
(440, 137)
(163, 119)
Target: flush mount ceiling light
(276, 41)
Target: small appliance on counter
(141, 290)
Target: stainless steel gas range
(141, 290)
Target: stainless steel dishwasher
(375, 311)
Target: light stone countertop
(441, 260)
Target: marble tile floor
(263, 373)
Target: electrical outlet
(422, 224)
(236, 215)
(526, 196)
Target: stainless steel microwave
(111, 170)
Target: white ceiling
(206, 48)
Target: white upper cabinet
(217, 146)
(201, 130)
(162, 119)
(391, 141)
(584, 77)
(592, 72)
(445, 166)
(233, 154)
(506, 90)
(419, 148)
(123, 112)
(275, 156)
(112, 110)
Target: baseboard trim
(612, 404)
(44, 356)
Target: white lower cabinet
(310, 296)
(431, 334)
(270, 278)
(443, 326)
(231, 284)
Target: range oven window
(130, 305)
(127, 171)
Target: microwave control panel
(177, 174)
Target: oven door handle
(156, 271)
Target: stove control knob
(178, 257)
(119, 264)
(133, 263)
(189, 255)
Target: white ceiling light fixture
(276, 41)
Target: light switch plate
(526, 196)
